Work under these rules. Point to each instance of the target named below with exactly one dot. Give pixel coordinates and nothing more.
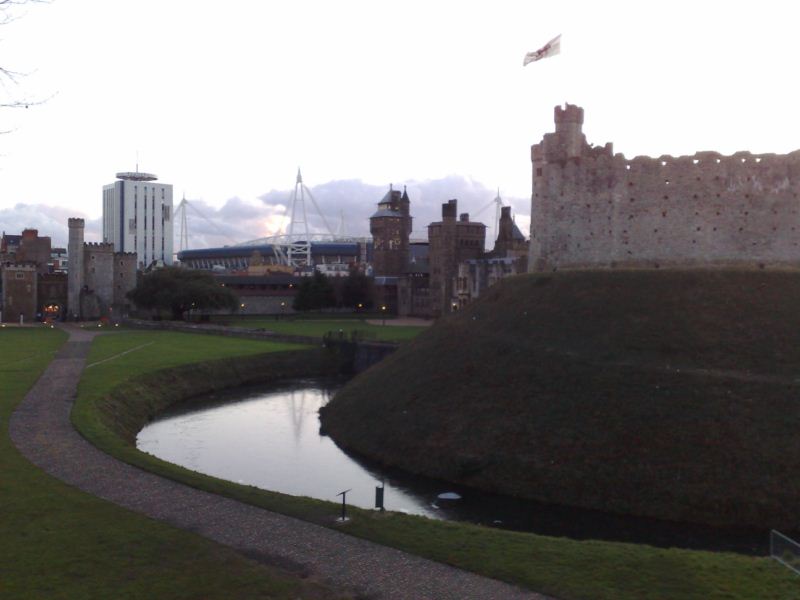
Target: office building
(137, 217)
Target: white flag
(551, 48)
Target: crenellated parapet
(19, 266)
(593, 208)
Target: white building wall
(137, 217)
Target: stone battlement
(19, 266)
(593, 208)
(569, 114)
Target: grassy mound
(659, 393)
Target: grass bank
(59, 543)
(666, 394)
(563, 568)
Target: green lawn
(564, 568)
(319, 327)
(58, 542)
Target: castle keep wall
(124, 279)
(98, 260)
(592, 208)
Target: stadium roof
(317, 249)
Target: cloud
(351, 202)
(48, 220)
(345, 204)
(234, 222)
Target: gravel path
(40, 428)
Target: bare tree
(9, 79)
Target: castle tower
(566, 146)
(569, 128)
(451, 241)
(390, 227)
(75, 268)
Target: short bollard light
(343, 494)
(379, 496)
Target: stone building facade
(52, 295)
(98, 277)
(34, 249)
(508, 257)
(592, 208)
(30, 284)
(429, 279)
(452, 241)
(413, 289)
(20, 298)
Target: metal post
(344, 506)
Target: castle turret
(510, 241)
(75, 268)
(569, 129)
(449, 210)
(405, 205)
(568, 141)
(390, 227)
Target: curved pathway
(41, 429)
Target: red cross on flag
(551, 48)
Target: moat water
(269, 437)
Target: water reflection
(269, 438)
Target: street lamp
(383, 313)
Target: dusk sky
(226, 100)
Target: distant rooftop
(136, 176)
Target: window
(19, 275)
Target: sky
(225, 100)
